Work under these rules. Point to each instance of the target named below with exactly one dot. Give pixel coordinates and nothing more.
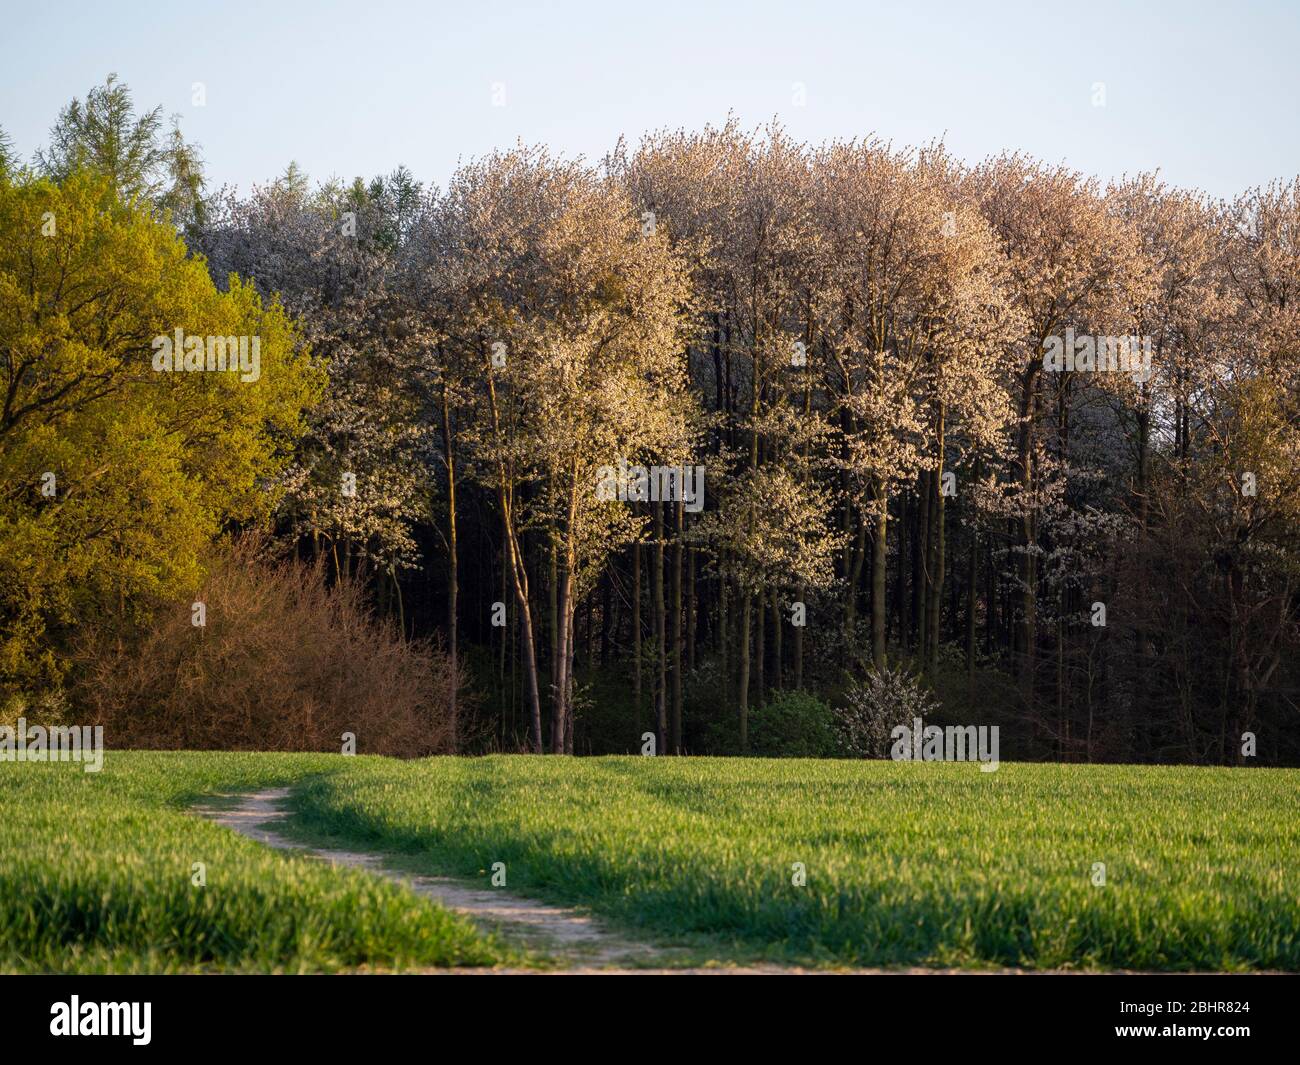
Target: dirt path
(574, 939)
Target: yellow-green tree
(115, 475)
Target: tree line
(860, 346)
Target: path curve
(562, 933)
(574, 939)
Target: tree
(1068, 256)
(8, 157)
(117, 476)
(770, 529)
(360, 478)
(914, 335)
(573, 314)
(143, 160)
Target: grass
(906, 863)
(96, 876)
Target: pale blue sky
(1209, 93)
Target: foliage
(849, 339)
(341, 670)
(328, 257)
(117, 477)
(889, 696)
(8, 158)
(792, 724)
(144, 163)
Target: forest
(990, 443)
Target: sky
(1209, 94)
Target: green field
(96, 869)
(906, 863)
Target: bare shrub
(286, 661)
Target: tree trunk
(453, 576)
(676, 744)
(568, 680)
(776, 641)
(606, 614)
(557, 620)
(565, 652)
(798, 641)
(879, 561)
(920, 548)
(661, 634)
(724, 619)
(519, 578)
(934, 609)
(743, 696)
(853, 577)
(692, 610)
(636, 636)
(972, 593)
(563, 656)
(900, 577)
(1027, 638)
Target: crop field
(97, 874)
(816, 862)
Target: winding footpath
(575, 940)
